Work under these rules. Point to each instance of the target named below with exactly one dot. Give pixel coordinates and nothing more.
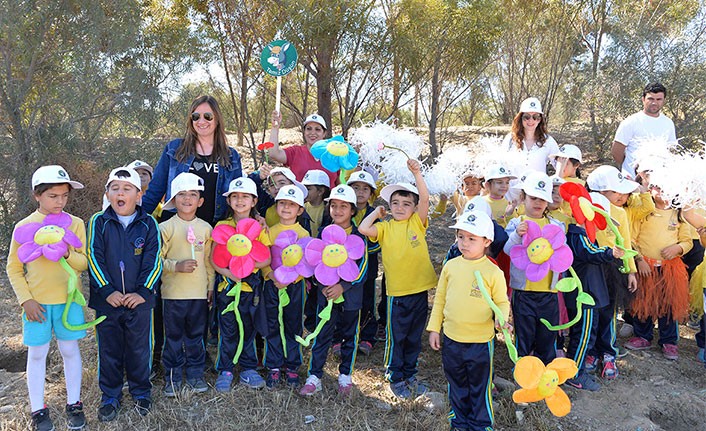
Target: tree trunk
(395, 89)
(416, 105)
(434, 111)
(324, 76)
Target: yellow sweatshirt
(175, 248)
(459, 305)
(41, 279)
(498, 207)
(661, 229)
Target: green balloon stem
(511, 350)
(619, 241)
(579, 307)
(283, 302)
(325, 316)
(341, 176)
(73, 294)
(235, 293)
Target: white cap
(557, 181)
(531, 104)
(343, 193)
(387, 191)
(539, 185)
(517, 185)
(291, 177)
(599, 199)
(53, 174)
(477, 223)
(362, 177)
(142, 165)
(498, 171)
(132, 178)
(609, 178)
(570, 151)
(183, 182)
(242, 185)
(478, 204)
(315, 118)
(316, 177)
(291, 193)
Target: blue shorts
(38, 333)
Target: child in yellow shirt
(497, 184)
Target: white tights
(36, 372)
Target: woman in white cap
(529, 134)
(298, 157)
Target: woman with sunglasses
(203, 151)
(529, 135)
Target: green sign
(278, 58)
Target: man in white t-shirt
(642, 125)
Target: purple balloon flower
(334, 255)
(288, 257)
(541, 250)
(50, 238)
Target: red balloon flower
(580, 201)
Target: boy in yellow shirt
(467, 320)
(187, 285)
(409, 274)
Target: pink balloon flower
(50, 238)
(288, 257)
(541, 250)
(237, 247)
(333, 256)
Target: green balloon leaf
(567, 284)
(283, 302)
(585, 298)
(511, 350)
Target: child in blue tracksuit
(124, 247)
(589, 260)
(344, 316)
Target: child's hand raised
(414, 166)
(522, 228)
(434, 340)
(276, 119)
(186, 265)
(132, 300)
(115, 299)
(381, 212)
(264, 171)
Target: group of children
(129, 256)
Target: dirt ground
(651, 393)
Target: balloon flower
(542, 383)
(333, 258)
(335, 154)
(583, 208)
(542, 250)
(51, 238)
(264, 147)
(237, 249)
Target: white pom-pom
(444, 176)
(490, 151)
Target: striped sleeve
(96, 256)
(151, 268)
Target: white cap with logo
(387, 191)
(362, 177)
(126, 174)
(609, 178)
(343, 193)
(477, 223)
(315, 118)
(185, 181)
(498, 171)
(291, 193)
(53, 174)
(538, 185)
(141, 165)
(316, 177)
(242, 185)
(478, 204)
(531, 104)
(291, 177)
(569, 151)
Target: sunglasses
(535, 117)
(208, 116)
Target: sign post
(278, 59)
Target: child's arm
(682, 247)
(640, 205)
(423, 207)
(210, 268)
(151, 268)
(436, 318)
(16, 273)
(367, 226)
(440, 208)
(77, 256)
(276, 153)
(585, 251)
(498, 293)
(515, 230)
(97, 265)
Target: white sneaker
(312, 386)
(345, 384)
(626, 331)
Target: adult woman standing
(529, 135)
(203, 151)
(298, 157)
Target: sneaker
(670, 351)
(251, 379)
(626, 331)
(638, 343)
(171, 387)
(143, 406)
(336, 349)
(345, 385)
(198, 384)
(365, 347)
(223, 381)
(417, 387)
(400, 389)
(700, 355)
(292, 379)
(584, 381)
(41, 420)
(312, 386)
(108, 410)
(622, 351)
(76, 420)
(590, 363)
(273, 378)
(610, 371)
(381, 334)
